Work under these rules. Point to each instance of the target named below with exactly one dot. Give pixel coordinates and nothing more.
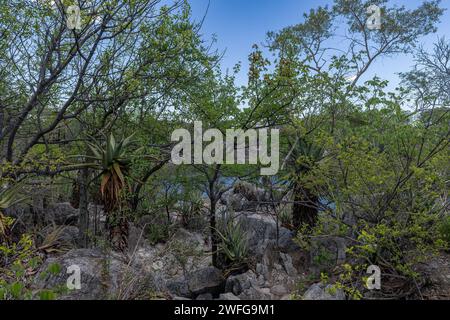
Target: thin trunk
(214, 236)
(83, 222)
(118, 234)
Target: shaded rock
(238, 283)
(62, 214)
(206, 280)
(69, 235)
(205, 296)
(179, 288)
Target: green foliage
(233, 243)
(18, 263)
(156, 233)
(444, 229)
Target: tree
(113, 162)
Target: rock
(206, 280)
(287, 264)
(62, 214)
(228, 296)
(238, 283)
(102, 276)
(193, 239)
(262, 270)
(179, 288)
(256, 293)
(205, 296)
(278, 290)
(258, 227)
(70, 235)
(319, 291)
(176, 298)
(234, 202)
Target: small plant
(18, 264)
(233, 244)
(190, 207)
(156, 233)
(53, 240)
(285, 216)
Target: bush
(18, 262)
(233, 244)
(444, 230)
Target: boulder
(206, 280)
(279, 290)
(258, 227)
(62, 214)
(238, 283)
(205, 296)
(103, 275)
(179, 288)
(256, 293)
(319, 291)
(228, 296)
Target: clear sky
(238, 24)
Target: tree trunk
(118, 233)
(83, 222)
(214, 236)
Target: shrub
(233, 244)
(444, 230)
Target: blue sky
(238, 24)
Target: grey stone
(287, 264)
(279, 290)
(228, 296)
(102, 276)
(62, 214)
(205, 296)
(179, 288)
(238, 283)
(206, 280)
(319, 291)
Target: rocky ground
(181, 267)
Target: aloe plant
(234, 243)
(111, 159)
